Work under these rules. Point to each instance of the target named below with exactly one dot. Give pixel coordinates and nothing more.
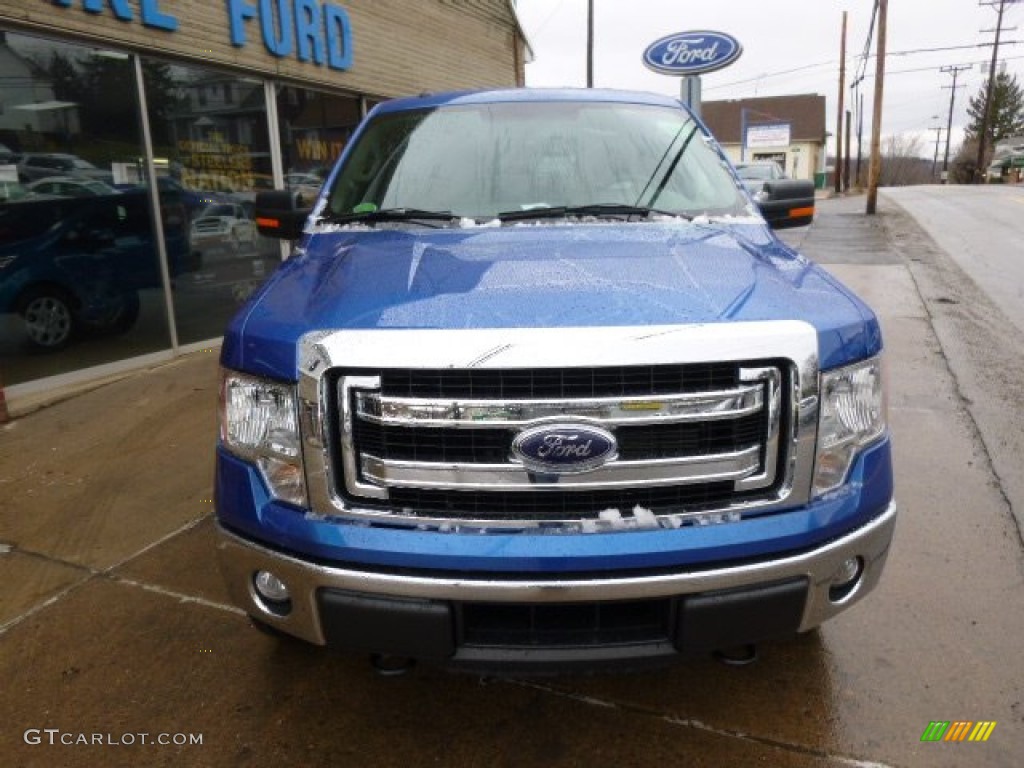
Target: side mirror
(281, 214)
(786, 203)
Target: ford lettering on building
(539, 388)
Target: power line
(862, 77)
(540, 27)
(965, 64)
(940, 49)
(867, 48)
(829, 63)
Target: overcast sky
(779, 36)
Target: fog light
(273, 593)
(845, 578)
(271, 587)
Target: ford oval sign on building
(692, 53)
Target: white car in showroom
(223, 225)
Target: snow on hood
(645, 273)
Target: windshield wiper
(416, 215)
(593, 209)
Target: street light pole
(590, 43)
(839, 115)
(860, 134)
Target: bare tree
(962, 168)
(904, 161)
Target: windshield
(99, 188)
(480, 160)
(219, 210)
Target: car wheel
(194, 261)
(48, 316)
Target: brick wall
(399, 47)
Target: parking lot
(118, 645)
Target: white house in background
(787, 129)
(1008, 160)
(26, 98)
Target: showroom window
(211, 148)
(80, 277)
(314, 129)
(85, 279)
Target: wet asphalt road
(113, 620)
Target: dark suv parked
(73, 266)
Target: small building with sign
(213, 101)
(789, 130)
(1007, 164)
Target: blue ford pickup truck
(540, 389)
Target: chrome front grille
(391, 440)
(432, 448)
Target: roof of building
(1009, 146)
(804, 112)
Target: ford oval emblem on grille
(564, 449)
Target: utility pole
(839, 115)
(846, 155)
(590, 43)
(860, 133)
(938, 140)
(875, 166)
(979, 169)
(955, 71)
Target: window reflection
(315, 127)
(80, 281)
(211, 142)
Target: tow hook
(387, 665)
(737, 656)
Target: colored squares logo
(958, 730)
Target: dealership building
(789, 130)
(102, 270)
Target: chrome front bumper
(241, 559)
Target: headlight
(852, 416)
(259, 422)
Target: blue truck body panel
(253, 513)
(593, 275)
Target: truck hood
(543, 276)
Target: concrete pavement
(113, 620)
